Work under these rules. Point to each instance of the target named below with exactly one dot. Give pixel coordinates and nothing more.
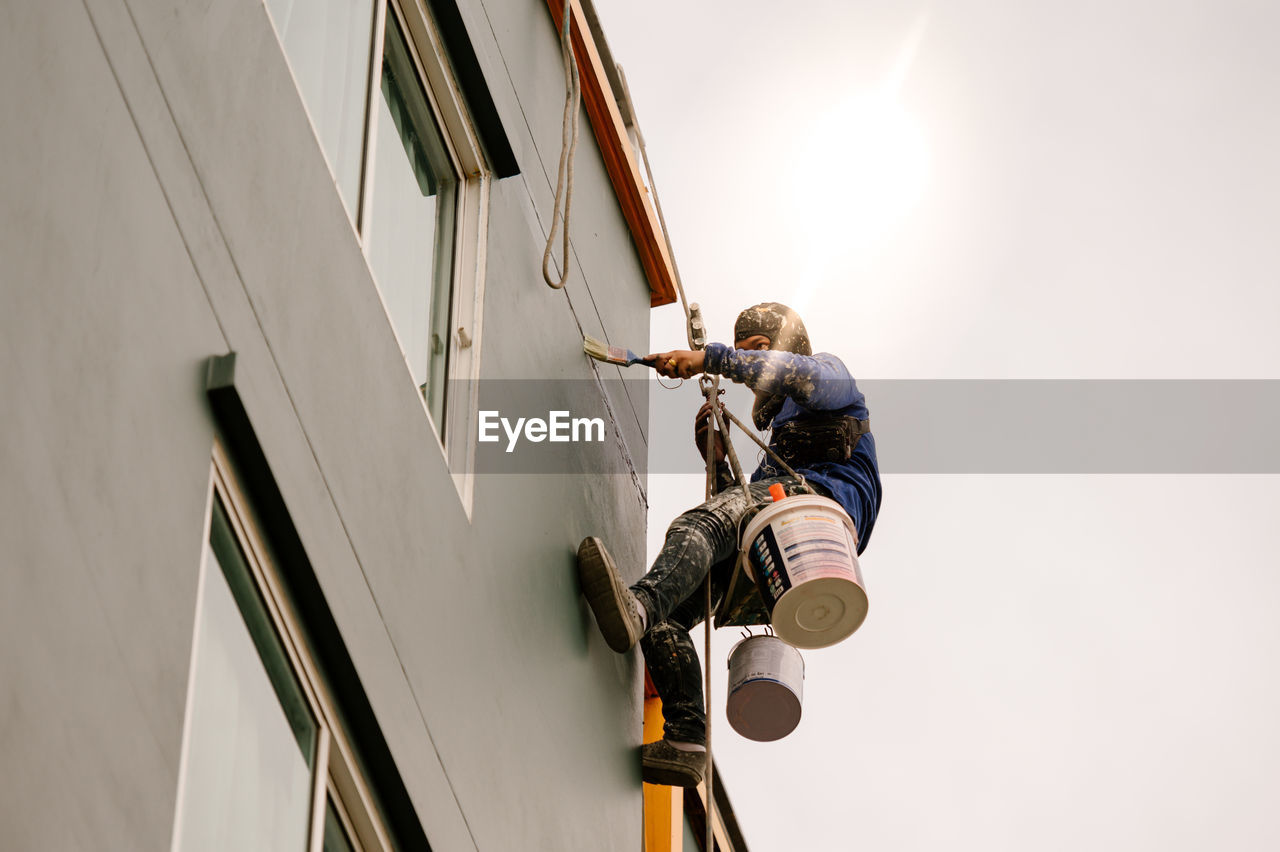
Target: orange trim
(619, 158)
(663, 806)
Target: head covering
(778, 323)
(786, 333)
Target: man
(820, 427)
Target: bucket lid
(763, 710)
(820, 613)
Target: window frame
(456, 436)
(336, 770)
(444, 96)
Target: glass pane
(335, 836)
(328, 44)
(251, 741)
(271, 654)
(411, 231)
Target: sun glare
(862, 168)
(868, 167)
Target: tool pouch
(825, 438)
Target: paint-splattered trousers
(674, 597)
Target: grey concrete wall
(163, 199)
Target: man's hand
(678, 364)
(701, 423)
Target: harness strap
(830, 438)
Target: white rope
(657, 206)
(568, 146)
(710, 387)
(717, 409)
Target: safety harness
(821, 438)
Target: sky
(999, 190)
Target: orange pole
(663, 806)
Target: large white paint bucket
(801, 552)
(766, 686)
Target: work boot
(663, 763)
(611, 602)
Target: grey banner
(920, 426)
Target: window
(390, 117)
(327, 42)
(410, 234)
(266, 762)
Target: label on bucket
(803, 559)
(814, 546)
(767, 558)
(763, 661)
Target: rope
(711, 767)
(750, 434)
(657, 205)
(709, 387)
(568, 146)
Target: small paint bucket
(802, 554)
(766, 685)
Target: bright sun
(866, 167)
(861, 170)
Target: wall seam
(533, 203)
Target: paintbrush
(619, 355)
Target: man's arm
(819, 382)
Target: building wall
(163, 200)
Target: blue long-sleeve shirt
(812, 384)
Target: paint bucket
(766, 684)
(802, 554)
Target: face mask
(786, 333)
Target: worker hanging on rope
(820, 428)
